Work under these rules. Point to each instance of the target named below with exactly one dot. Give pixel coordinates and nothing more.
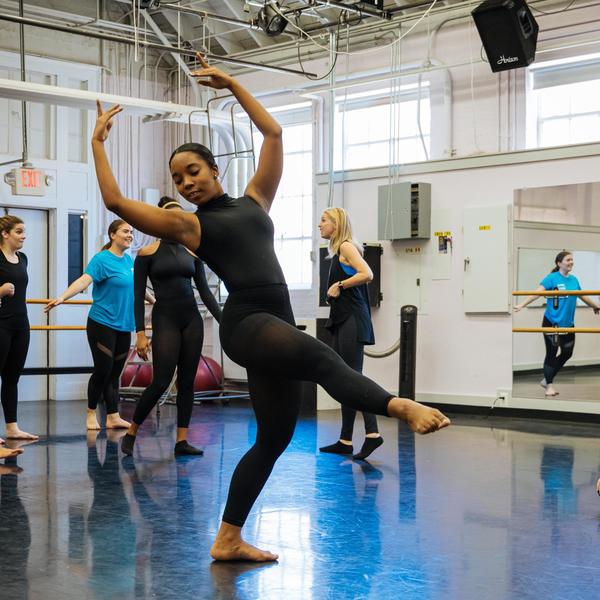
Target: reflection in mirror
(557, 222)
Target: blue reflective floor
(486, 509)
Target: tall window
(292, 210)
(564, 102)
(371, 127)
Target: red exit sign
(27, 181)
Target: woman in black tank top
(177, 329)
(234, 236)
(14, 324)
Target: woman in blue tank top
(349, 319)
(560, 312)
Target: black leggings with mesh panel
(109, 351)
(258, 332)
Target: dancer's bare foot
(550, 391)
(14, 433)
(2, 442)
(91, 421)
(9, 452)
(421, 419)
(229, 545)
(114, 421)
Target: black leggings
(13, 353)
(109, 351)
(554, 362)
(258, 332)
(345, 343)
(177, 337)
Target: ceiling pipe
(150, 45)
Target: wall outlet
(503, 397)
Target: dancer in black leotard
(177, 329)
(14, 324)
(234, 236)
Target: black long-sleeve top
(171, 270)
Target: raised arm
(205, 294)
(174, 225)
(263, 185)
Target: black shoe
(127, 444)
(337, 448)
(182, 448)
(368, 447)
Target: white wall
(461, 358)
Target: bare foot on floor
(421, 419)
(14, 433)
(240, 551)
(2, 442)
(91, 422)
(9, 452)
(114, 421)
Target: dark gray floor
(486, 509)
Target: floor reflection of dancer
(14, 324)
(110, 320)
(234, 236)
(177, 329)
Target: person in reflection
(110, 320)
(560, 312)
(235, 238)
(14, 323)
(15, 532)
(349, 319)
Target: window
(292, 211)
(370, 128)
(76, 235)
(564, 102)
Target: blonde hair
(343, 230)
(7, 224)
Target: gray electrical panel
(404, 211)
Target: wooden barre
(46, 300)
(57, 328)
(559, 293)
(556, 330)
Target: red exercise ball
(208, 376)
(137, 375)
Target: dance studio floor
(487, 509)
(578, 384)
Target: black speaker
(508, 32)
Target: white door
(487, 242)
(34, 387)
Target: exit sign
(26, 181)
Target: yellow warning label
(443, 234)
(485, 227)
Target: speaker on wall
(508, 32)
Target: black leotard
(14, 332)
(177, 328)
(258, 332)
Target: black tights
(554, 362)
(13, 353)
(258, 332)
(109, 351)
(177, 338)
(352, 352)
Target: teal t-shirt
(113, 290)
(564, 314)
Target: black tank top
(353, 301)
(171, 270)
(13, 310)
(236, 242)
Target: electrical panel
(404, 211)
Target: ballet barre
(558, 293)
(47, 300)
(556, 329)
